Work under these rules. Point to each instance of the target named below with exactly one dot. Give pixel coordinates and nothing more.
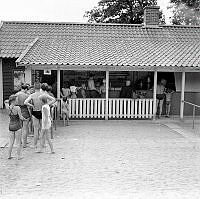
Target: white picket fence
(130, 108)
(117, 108)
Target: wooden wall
(193, 97)
(8, 65)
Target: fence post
(154, 94)
(182, 94)
(58, 91)
(107, 93)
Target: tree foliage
(186, 12)
(120, 11)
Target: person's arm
(28, 100)
(100, 90)
(62, 105)
(67, 106)
(51, 99)
(62, 93)
(20, 113)
(45, 111)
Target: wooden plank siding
(1, 85)
(8, 65)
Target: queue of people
(30, 104)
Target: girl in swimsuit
(15, 126)
(46, 123)
(21, 97)
(65, 111)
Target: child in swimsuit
(65, 111)
(168, 95)
(46, 123)
(15, 126)
(21, 97)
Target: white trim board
(106, 67)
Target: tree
(185, 12)
(120, 11)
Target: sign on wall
(47, 72)
(18, 78)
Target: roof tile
(97, 44)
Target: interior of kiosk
(141, 81)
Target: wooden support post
(58, 94)
(182, 95)
(154, 94)
(1, 84)
(107, 93)
(58, 83)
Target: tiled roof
(100, 44)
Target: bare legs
(160, 104)
(37, 128)
(168, 107)
(18, 136)
(66, 117)
(12, 140)
(25, 131)
(15, 135)
(45, 136)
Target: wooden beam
(182, 95)
(154, 94)
(38, 66)
(107, 94)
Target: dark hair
(64, 99)
(11, 99)
(44, 99)
(25, 86)
(66, 84)
(72, 82)
(44, 86)
(49, 88)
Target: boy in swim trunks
(36, 104)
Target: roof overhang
(109, 68)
